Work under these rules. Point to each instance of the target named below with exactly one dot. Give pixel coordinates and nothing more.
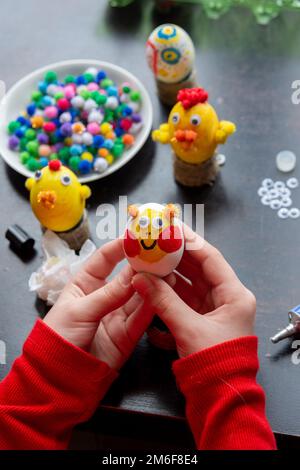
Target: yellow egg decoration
(57, 198)
(154, 240)
(170, 53)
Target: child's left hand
(104, 318)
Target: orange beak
(47, 199)
(187, 136)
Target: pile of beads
(86, 122)
(277, 195)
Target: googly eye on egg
(195, 120)
(65, 180)
(157, 223)
(144, 222)
(37, 175)
(175, 118)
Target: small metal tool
(292, 328)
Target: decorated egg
(153, 240)
(170, 53)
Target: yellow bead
(109, 158)
(87, 156)
(68, 141)
(37, 122)
(105, 128)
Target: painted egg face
(170, 53)
(153, 240)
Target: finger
(139, 321)
(187, 292)
(215, 268)
(132, 304)
(173, 311)
(111, 296)
(99, 266)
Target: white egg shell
(170, 53)
(169, 262)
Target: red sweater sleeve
(51, 387)
(225, 406)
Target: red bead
(131, 245)
(49, 127)
(191, 96)
(170, 239)
(63, 104)
(54, 165)
(126, 124)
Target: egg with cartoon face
(154, 241)
(170, 53)
(56, 196)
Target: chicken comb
(189, 97)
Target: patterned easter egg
(170, 53)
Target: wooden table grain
(248, 71)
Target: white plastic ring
(294, 213)
(292, 183)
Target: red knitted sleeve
(225, 406)
(51, 387)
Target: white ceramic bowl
(17, 98)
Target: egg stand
(195, 174)
(76, 236)
(168, 92)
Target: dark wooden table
(248, 71)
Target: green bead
(92, 150)
(70, 79)
(13, 126)
(24, 156)
(23, 143)
(51, 77)
(135, 96)
(53, 139)
(33, 164)
(102, 99)
(74, 163)
(89, 77)
(36, 96)
(53, 156)
(117, 150)
(30, 134)
(85, 94)
(58, 95)
(126, 89)
(106, 82)
(32, 147)
(64, 154)
(119, 140)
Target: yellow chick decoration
(153, 240)
(57, 198)
(194, 131)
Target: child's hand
(105, 318)
(213, 289)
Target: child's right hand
(213, 289)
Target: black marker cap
(19, 239)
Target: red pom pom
(54, 165)
(191, 96)
(126, 124)
(170, 239)
(131, 245)
(63, 104)
(49, 127)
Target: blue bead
(43, 87)
(119, 131)
(47, 101)
(101, 75)
(56, 121)
(43, 161)
(112, 91)
(84, 166)
(127, 111)
(31, 108)
(98, 141)
(76, 150)
(22, 120)
(21, 132)
(59, 135)
(80, 80)
(108, 144)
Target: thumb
(111, 296)
(162, 298)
